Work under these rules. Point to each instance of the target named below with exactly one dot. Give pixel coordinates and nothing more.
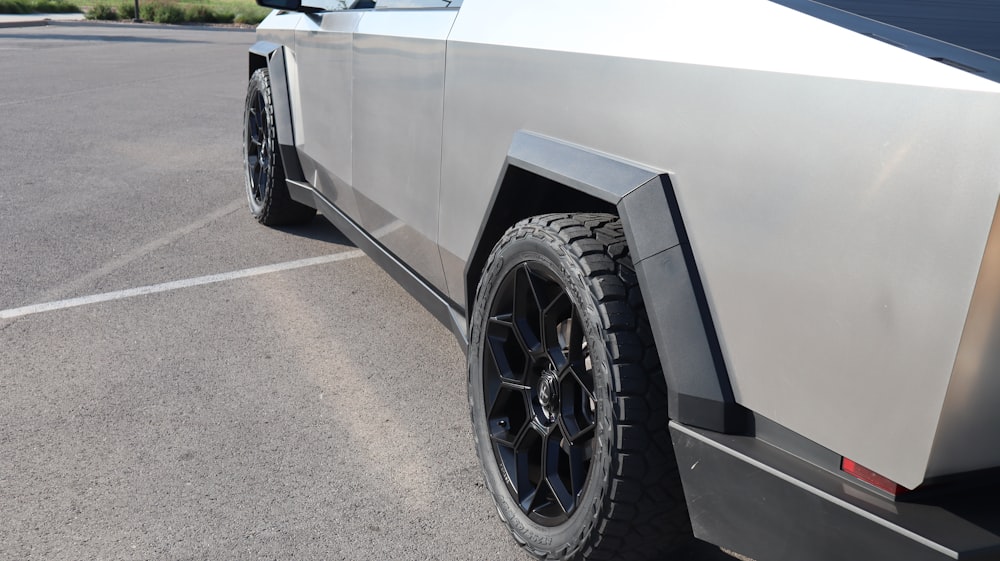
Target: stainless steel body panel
(838, 191)
(324, 48)
(279, 28)
(399, 69)
(967, 436)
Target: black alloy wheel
(539, 391)
(260, 150)
(267, 192)
(567, 398)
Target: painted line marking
(176, 285)
(142, 251)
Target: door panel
(323, 53)
(399, 60)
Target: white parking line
(175, 285)
(142, 251)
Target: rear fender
(541, 175)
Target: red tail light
(868, 476)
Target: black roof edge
(968, 60)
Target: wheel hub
(548, 394)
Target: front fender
(265, 54)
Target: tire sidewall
(563, 540)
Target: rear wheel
(267, 192)
(567, 397)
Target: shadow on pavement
(318, 229)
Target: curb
(24, 23)
(7, 21)
(148, 25)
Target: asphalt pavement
(179, 382)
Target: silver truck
(724, 269)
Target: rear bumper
(752, 498)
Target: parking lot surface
(179, 382)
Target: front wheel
(567, 398)
(267, 192)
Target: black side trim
(436, 303)
(542, 175)
(759, 501)
(275, 55)
(599, 175)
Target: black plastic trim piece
(536, 164)
(436, 303)
(698, 387)
(275, 56)
(754, 499)
(598, 175)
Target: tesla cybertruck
(724, 269)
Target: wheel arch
(543, 175)
(264, 54)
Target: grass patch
(102, 11)
(38, 7)
(179, 11)
(159, 11)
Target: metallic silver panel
(323, 52)
(278, 27)
(838, 191)
(968, 435)
(399, 59)
(838, 199)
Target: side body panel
(967, 433)
(324, 56)
(838, 191)
(399, 70)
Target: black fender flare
(272, 56)
(699, 389)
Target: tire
(267, 192)
(563, 371)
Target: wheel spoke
(262, 182)
(577, 415)
(578, 431)
(260, 106)
(528, 499)
(527, 312)
(508, 414)
(507, 436)
(554, 319)
(508, 356)
(553, 456)
(571, 374)
(579, 466)
(255, 113)
(578, 354)
(528, 475)
(253, 128)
